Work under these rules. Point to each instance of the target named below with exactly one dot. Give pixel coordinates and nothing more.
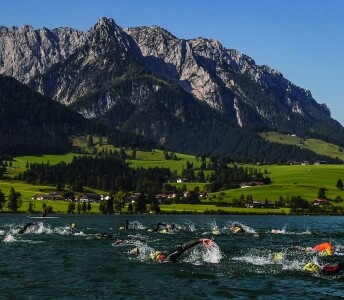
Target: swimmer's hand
(208, 243)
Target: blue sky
(303, 39)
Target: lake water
(52, 261)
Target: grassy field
(315, 145)
(294, 180)
(19, 164)
(156, 159)
(212, 208)
(287, 180)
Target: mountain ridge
(120, 76)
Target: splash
(212, 255)
(136, 225)
(9, 238)
(200, 255)
(245, 228)
(192, 226)
(214, 228)
(67, 230)
(279, 231)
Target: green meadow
(293, 180)
(287, 181)
(315, 145)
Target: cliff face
(124, 77)
(25, 52)
(225, 79)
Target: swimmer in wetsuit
(324, 249)
(328, 269)
(166, 227)
(174, 254)
(22, 230)
(236, 228)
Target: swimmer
(174, 254)
(328, 269)
(324, 249)
(166, 227)
(127, 241)
(236, 228)
(104, 236)
(22, 230)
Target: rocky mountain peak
(106, 25)
(69, 66)
(106, 30)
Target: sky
(302, 39)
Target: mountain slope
(233, 84)
(188, 95)
(31, 123)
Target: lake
(51, 260)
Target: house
(50, 196)
(252, 183)
(319, 201)
(181, 180)
(266, 204)
(89, 197)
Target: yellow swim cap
(326, 252)
(154, 254)
(311, 267)
(277, 256)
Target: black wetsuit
(22, 230)
(333, 269)
(158, 225)
(173, 255)
(104, 236)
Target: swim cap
(322, 246)
(326, 252)
(153, 255)
(277, 256)
(311, 267)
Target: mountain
(188, 95)
(34, 124)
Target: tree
(84, 207)
(130, 208)
(2, 199)
(13, 200)
(90, 141)
(30, 208)
(109, 206)
(89, 206)
(102, 207)
(141, 203)
(339, 184)
(78, 208)
(71, 208)
(322, 193)
(119, 201)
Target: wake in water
(214, 229)
(209, 252)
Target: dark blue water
(53, 261)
